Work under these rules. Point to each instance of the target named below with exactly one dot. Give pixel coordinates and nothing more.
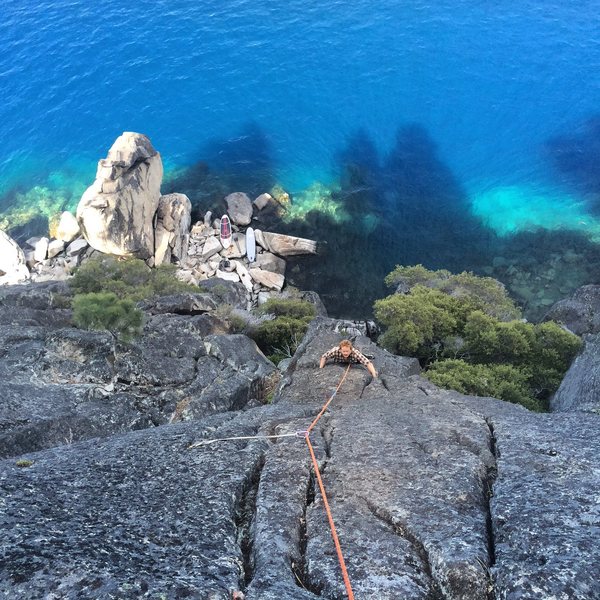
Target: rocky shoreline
(123, 214)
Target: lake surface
(497, 102)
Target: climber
(346, 353)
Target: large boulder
(172, 230)
(68, 227)
(116, 212)
(285, 245)
(239, 208)
(13, 268)
(580, 313)
(579, 390)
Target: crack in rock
(300, 570)
(403, 531)
(245, 513)
(488, 486)
(327, 435)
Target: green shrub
(288, 307)
(465, 318)
(417, 323)
(129, 278)
(506, 382)
(279, 338)
(481, 293)
(105, 311)
(234, 322)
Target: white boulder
(173, 220)
(285, 245)
(40, 251)
(12, 261)
(68, 227)
(271, 280)
(116, 212)
(55, 247)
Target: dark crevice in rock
(245, 512)
(300, 569)
(488, 487)
(423, 390)
(384, 383)
(402, 530)
(327, 435)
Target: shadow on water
(404, 208)
(241, 163)
(576, 158)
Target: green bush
(465, 318)
(480, 293)
(105, 311)
(288, 307)
(506, 382)
(417, 323)
(279, 338)
(129, 278)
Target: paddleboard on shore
(250, 245)
(225, 231)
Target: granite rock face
(434, 494)
(580, 388)
(580, 313)
(63, 384)
(172, 230)
(116, 212)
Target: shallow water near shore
(442, 133)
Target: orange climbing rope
(336, 540)
(306, 435)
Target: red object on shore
(225, 231)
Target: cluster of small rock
(55, 258)
(43, 258)
(207, 256)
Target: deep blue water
(507, 94)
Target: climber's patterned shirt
(355, 356)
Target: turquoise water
(504, 98)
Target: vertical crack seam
(245, 513)
(402, 530)
(300, 570)
(327, 435)
(490, 478)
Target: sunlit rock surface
(13, 268)
(116, 212)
